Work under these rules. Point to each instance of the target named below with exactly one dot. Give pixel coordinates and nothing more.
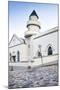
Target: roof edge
(47, 32)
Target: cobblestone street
(38, 77)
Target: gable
(15, 41)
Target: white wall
(38, 61)
(23, 52)
(50, 39)
(45, 60)
(44, 41)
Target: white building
(37, 48)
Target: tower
(33, 26)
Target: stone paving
(38, 77)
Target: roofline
(47, 32)
(16, 37)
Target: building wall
(48, 60)
(22, 50)
(45, 60)
(45, 41)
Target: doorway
(14, 58)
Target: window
(49, 50)
(10, 56)
(18, 56)
(39, 50)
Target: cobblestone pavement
(38, 77)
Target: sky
(19, 15)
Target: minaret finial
(34, 14)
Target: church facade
(37, 48)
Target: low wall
(37, 61)
(45, 60)
(19, 64)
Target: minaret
(33, 26)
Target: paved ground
(38, 77)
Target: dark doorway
(18, 56)
(49, 51)
(14, 58)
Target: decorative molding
(33, 24)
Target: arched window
(18, 56)
(49, 50)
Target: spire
(33, 14)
